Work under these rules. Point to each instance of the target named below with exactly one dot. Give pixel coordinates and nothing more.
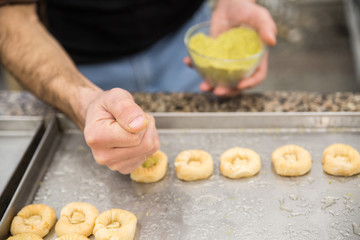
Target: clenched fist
(119, 133)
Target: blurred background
(317, 50)
(314, 50)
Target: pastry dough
(341, 160)
(25, 236)
(193, 165)
(239, 162)
(34, 218)
(291, 160)
(115, 224)
(152, 170)
(77, 217)
(72, 236)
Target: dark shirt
(95, 31)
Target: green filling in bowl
(227, 59)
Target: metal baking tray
(266, 206)
(19, 137)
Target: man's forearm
(41, 65)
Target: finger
(131, 162)
(262, 21)
(205, 87)
(149, 144)
(127, 113)
(127, 166)
(188, 62)
(218, 23)
(257, 77)
(226, 92)
(107, 133)
(112, 156)
(221, 91)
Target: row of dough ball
(337, 159)
(78, 220)
(288, 160)
(191, 165)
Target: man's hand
(120, 134)
(232, 13)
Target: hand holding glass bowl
(226, 60)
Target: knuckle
(148, 144)
(120, 167)
(112, 168)
(125, 171)
(90, 137)
(119, 92)
(101, 157)
(134, 139)
(127, 105)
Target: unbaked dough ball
(193, 165)
(25, 236)
(341, 160)
(152, 170)
(115, 224)
(239, 162)
(34, 218)
(72, 236)
(291, 160)
(77, 217)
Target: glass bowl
(217, 71)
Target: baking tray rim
(34, 128)
(226, 120)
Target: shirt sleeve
(5, 2)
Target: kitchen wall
(313, 51)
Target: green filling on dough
(150, 162)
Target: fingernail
(138, 123)
(272, 38)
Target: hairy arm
(41, 65)
(120, 135)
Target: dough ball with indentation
(72, 236)
(115, 224)
(34, 218)
(239, 162)
(77, 217)
(193, 165)
(291, 160)
(152, 170)
(341, 160)
(25, 236)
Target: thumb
(218, 24)
(126, 112)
